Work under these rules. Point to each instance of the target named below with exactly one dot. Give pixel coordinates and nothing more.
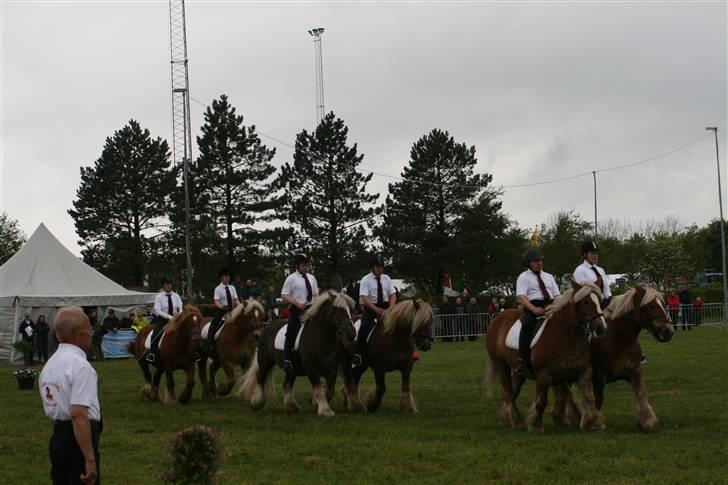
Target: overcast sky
(543, 90)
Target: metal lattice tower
(181, 130)
(316, 34)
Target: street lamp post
(714, 129)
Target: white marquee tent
(43, 276)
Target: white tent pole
(15, 328)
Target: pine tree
(233, 189)
(424, 212)
(325, 199)
(122, 199)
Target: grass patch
(456, 437)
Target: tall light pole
(316, 34)
(181, 129)
(596, 232)
(714, 129)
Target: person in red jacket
(673, 302)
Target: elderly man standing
(68, 388)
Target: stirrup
(287, 365)
(521, 367)
(357, 360)
(150, 357)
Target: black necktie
(380, 291)
(599, 282)
(170, 307)
(309, 290)
(542, 285)
(229, 298)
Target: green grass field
(456, 438)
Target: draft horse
(562, 355)
(326, 344)
(617, 356)
(402, 328)
(177, 350)
(235, 345)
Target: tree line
(441, 215)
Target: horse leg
(406, 401)
(186, 394)
(645, 415)
(331, 384)
(202, 372)
(565, 412)
(146, 389)
(319, 394)
(591, 418)
(223, 389)
(535, 414)
(289, 400)
(509, 411)
(214, 366)
(374, 398)
(171, 398)
(350, 390)
(155, 383)
(598, 384)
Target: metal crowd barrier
(463, 326)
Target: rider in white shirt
(589, 272)
(167, 305)
(299, 290)
(376, 293)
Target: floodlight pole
(594, 174)
(316, 34)
(714, 129)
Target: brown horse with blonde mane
(402, 328)
(326, 344)
(618, 355)
(178, 349)
(236, 344)
(561, 355)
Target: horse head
(252, 317)
(341, 307)
(652, 314)
(587, 303)
(412, 318)
(189, 324)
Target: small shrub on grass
(194, 457)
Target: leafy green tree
(122, 201)
(666, 259)
(561, 241)
(12, 237)
(424, 212)
(325, 198)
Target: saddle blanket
(280, 342)
(148, 340)
(515, 331)
(206, 330)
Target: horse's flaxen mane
(235, 312)
(253, 304)
(175, 323)
(338, 300)
(571, 296)
(405, 315)
(623, 304)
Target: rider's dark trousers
(367, 321)
(158, 324)
(294, 325)
(214, 325)
(528, 325)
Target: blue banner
(114, 344)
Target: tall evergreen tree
(12, 237)
(326, 200)
(425, 211)
(232, 176)
(115, 211)
(561, 241)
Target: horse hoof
(354, 405)
(326, 412)
(222, 389)
(535, 429)
(292, 408)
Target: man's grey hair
(67, 320)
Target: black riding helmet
(376, 261)
(166, 280)
(223, 272)
(531, 254)
(589, 246)
(300, 258)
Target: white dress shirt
(161, 306)
(295, 287)
(68, 379)
(368, 287)
(221, 295)
(584, 274)
(527, 284)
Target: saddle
(280, 342)
(515, 332)
(357, 326)
(148, 340)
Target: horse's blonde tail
(490, 376)
(249, 380)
